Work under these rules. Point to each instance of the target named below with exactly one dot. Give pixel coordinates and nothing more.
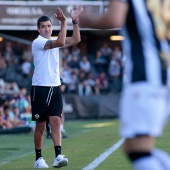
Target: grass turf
(87, 139)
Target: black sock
(57, 150)
(38, 153)
(137, 155)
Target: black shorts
(45, 102)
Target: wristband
(75, 21)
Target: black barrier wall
(104, 106)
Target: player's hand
(75, 13)
(59, 15)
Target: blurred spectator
(18, 51)
(115, 71)
(7, 51)
(13, 60)
(72, 86)
(26, 115)
(74, 65)
(3, 122)
(16, 112)
(17, 119)
(21, 100)
(84, 88)
(26, 68)
(106, 50)
(11, 88)
(65, 54)
(100, 62)
(106, 54)
(27, 54)
(8, 117)
(75, 51)
(91, 81)
(65, 74)
(12, 120)
(117, 52)
(2, 86)
(85, 65)
(3, 64)
(102, 83)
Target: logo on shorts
(37, 116)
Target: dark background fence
(103, 106)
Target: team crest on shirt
(37, 116)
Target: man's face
(45, 29)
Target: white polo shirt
(46, 63)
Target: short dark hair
(42, 19)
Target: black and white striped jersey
(146, 44)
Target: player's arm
(114, 17)
(60, 41)
(75, 38)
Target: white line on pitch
(23, 155)
(103, 156)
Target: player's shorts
(143, 110)
(45, 102)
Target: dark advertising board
(23, 15)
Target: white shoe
(40, 163)
(60, 161)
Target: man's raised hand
(59, 15)
(75, 13)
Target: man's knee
(138, 147)
(55, 122)
(139, 143)
(41, 126)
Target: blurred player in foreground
(144, 100)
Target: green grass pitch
(87, 139)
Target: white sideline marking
(103, 156)
(23, 155)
